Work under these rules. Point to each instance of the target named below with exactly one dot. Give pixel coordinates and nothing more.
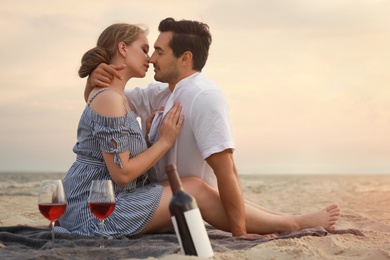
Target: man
(204, 147)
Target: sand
(364, 201)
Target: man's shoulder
(201, 78)
(201, 84)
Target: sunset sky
(308, 82)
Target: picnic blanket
(23, 242)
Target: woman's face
(137, 59)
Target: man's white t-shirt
(206, 129)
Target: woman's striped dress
(135, 204)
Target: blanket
(23, 242)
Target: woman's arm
(135, 166)
(109, 103)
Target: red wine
(52, 211)
(101, 210)
(186, 219)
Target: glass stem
(101, 234)
(52, 232)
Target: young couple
(190, 127)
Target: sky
(307, 81)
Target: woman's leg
(161, 219)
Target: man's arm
(210, 123)
(229, 190)
(101, 77)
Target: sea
(24, 183)
(27, 183)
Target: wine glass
(52, 201)
(101, 202)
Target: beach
(364, 201)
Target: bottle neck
(174, 179)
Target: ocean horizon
(23, 183)
(243, 172)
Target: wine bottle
(186, 219)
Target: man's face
(164, 62)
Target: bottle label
(198, 233)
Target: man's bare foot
(325, 218)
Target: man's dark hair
(190, 36)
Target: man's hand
(102, 77)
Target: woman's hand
(170, 128)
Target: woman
(111, 146)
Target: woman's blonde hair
(106, 45)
